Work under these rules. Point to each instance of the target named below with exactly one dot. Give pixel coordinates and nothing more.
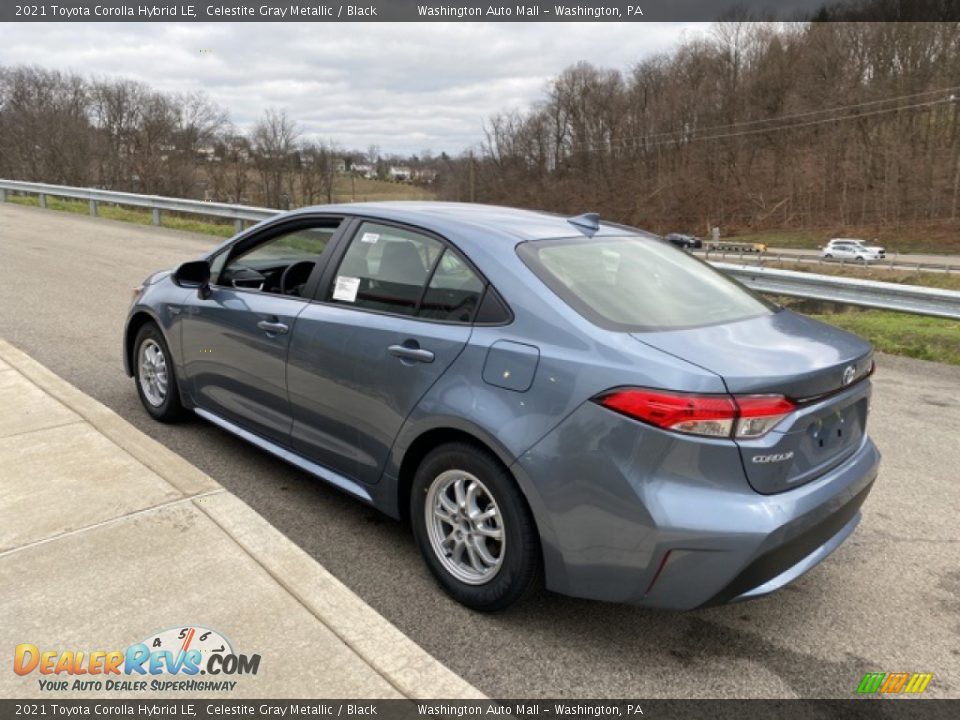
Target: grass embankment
(129, 214)
(915, 336)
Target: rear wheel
(154, 375)
(474, 528)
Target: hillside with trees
(758, 125)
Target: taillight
(757, 414)
(711, 415)
(736, 416)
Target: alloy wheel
(153, 372)
(465, 527)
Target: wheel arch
(407, 455)
(136, 321)
(413, 452)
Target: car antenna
(588, 223)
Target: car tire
(154, 375)
(827, 256)
(478, 497)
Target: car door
(392, 314)
(847, 251)
(235, 336)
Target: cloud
(403, 86)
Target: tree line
(757, 125)
(64, 128)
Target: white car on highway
(850, 249)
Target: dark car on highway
(543, 398)
(687, 242)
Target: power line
(808, 113)
(673, 139)
(810, 123)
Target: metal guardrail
(156, 203)
(848, 291)
(892, 261)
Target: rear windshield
(639, 284)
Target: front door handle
(411, 351)
(273, 328)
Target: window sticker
(346, 288)
(370, 238)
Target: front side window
(390, 269)
(280, 264)
(638, 284)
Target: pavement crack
(21, 433)
(110, 521)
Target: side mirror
(194, 274)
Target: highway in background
(783, 257)
(887, 600)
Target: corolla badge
(848, 374)
(778, 457)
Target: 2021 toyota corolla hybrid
(539, 396)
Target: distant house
(208, 153)
(399, 172)
(425, 175)
(340, 166)
(364, 170)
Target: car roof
(492, 221)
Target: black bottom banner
(510, 709)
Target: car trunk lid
(816, 365)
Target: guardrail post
(93, 208)
(156, 216)
(238, 225)
(42, 200)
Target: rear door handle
(274, 328)
(411, 352)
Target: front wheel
(154, 375)
(474, 528)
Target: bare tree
(274, 142)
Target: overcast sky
(403, 86)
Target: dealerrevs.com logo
(170, 660)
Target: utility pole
(472, 195)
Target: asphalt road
(887, 600)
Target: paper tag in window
(346, 288)
(370, 238)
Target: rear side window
(454, 291)
(638, 284)
(401, 271)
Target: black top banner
(468, 11)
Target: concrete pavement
(887, 599)
(107, 537)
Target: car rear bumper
(648, 518)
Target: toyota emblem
(848, 374)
